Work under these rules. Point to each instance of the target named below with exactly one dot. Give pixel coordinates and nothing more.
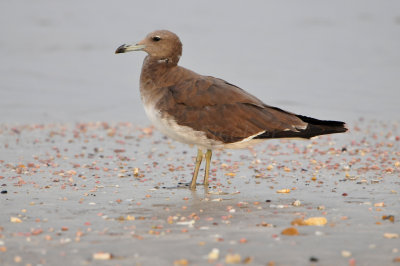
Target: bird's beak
(129, 48)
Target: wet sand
(90, 193)
(79, 192)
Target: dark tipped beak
(129, 48)
(120, 49)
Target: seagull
(209, 112)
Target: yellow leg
(207, 171)
(199, 158)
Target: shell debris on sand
(15, 219)
(391, 235)
(233, 258)
(290, 231)
(285, 190)
(70, 173)
(312, 221)
(213, 255)
(102, 256)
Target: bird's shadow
(182, 185)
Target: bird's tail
(320, 127)
(314, 128)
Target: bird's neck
(157, 71)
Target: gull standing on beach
(209, 112)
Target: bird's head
(160, 45)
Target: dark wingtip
(345, 127)
(314, 128)
(314, 121)
(321, 127)
(121, 49)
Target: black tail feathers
(314, 128)
(321, 127)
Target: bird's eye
(156, 38)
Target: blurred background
(328, 59)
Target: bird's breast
(169, 126)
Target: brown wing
(224, 111)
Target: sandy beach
(115, 194)
(86, 180)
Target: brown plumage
(210, 112)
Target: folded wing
(227, 113)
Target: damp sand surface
(85, 193)
(79, 192)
